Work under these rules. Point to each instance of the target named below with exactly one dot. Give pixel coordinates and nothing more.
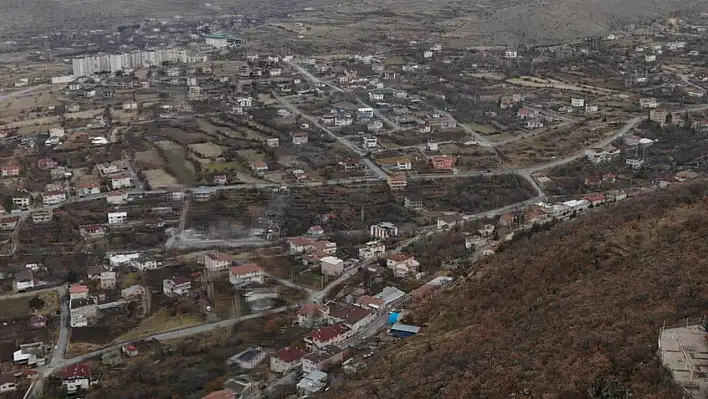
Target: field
(216, 167)
(252, 155)
(159, 322)
(484, 129)
(207, 150)
(177, 163)
(19, 308)
(157, 178)
(148, 159)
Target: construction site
(684, 351)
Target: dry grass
(206, 150)
(159, 178)
(160, 322)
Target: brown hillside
(575, 307)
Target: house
(634, 163)
(7, 383)
(685, 175)
(286, 359)
(315, 231)
(616, 195)
(401, 330)
(577, 205)
(577, 102)
(24, 280)
(129, 350)
(352, 316)
(88, 188)
(77, 291)
(246, 273)
(371, 250)
(312, 383)
(649, 57)
(56, 197)
(449, 220)
(21, 201)
(658, 115)
(648, 103)
(105, 169)
(413, 201)
(259, 167)
(299, 245)
(117, 218)
(448, 122)
(376, 96)
(272, 143)
(92, 231)
(82, 310)
(511, 54)
(76, 376)
(525, 113)
(9, 223)
(402, 265)
(595, 199)
(108, 280)
(331, 266)
(598, 155)
(487, 230)
(46, 163)
(395, 163)
(323, 358)
(370, 142)
(591, 108)
(397, 181)
(217, 261)
(10, 168)
(383, 230)
(132, 293)
(350, 164)
(176, 286)
(299, 138)
(120, 180)
(117, 197)
(327, 335)
(310, 315)
(442, 162)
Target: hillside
(578, 306)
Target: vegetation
(573, 312)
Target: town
(260, 221)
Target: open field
(19, 308)
(158, 322)
(534, 81)
(484, 129)
(149, 159)
(216, 167)
(252, 155)
(207, 150)
(177, 163)
(157, 178)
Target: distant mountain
(567, 314)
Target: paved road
(63, 340)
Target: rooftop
(246, 269)
(289, 354)
(78, 370)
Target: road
(14, 241)
(63, 340)
(60, 362)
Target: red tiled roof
(223, 394)
(327, 333)
(219, 256)
(289, 355)
(246, 269)
(260, 164)
(52, 193)
(300, 241)
(78, 370)
(78, 289)
(350, 314)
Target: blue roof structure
(393, 317)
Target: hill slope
(579, 305)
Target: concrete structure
(684, 352)
(217, 261)
(331, 266)
(177, 286)
(117, 217)
(248, 359)
(247, 273)
(89, 65)
(76, 376)
(24, 280)
(286, 359)
(383, 230)
(217, 40)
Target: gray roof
(406, 328)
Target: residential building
(107, 280)
(311, 315)
(442, 162)
(577, 205)
(577, 102)
(525, 113)
(315, 231)
(176, 286)
(395, 163)
(120, 180)
(449, 220)
(56, 197)
(272, 143)
(7, 383)
(88, 188)
(414, 202)
(9, 223)
(129, 350)
(10, 168)
(323, 358)
(327, 335)
(38, 322)
(312, 383)
(383, 230)
(217, 261)
(324, 247)
(352, 316)
(259, 167)
(248, 359)
(299, 245)
(247, 273)
(397, 181)
(648, 103)
(203, 194)
(117, 218)
(331, 266)
(24, 280)
(371, 250)
(511, 54)
(595, 199)
(616, 195)
(634, 163)
(117, 197)
(658, 115)
(299, 138)
(591, 108)
(448, 122)
(92, 231)
(76, 376)
(402, 265)
(286, 359)
(370, 142)
(82, 310)
(598, 155)
(216, 40)
(77, 291)
(21, 201)
(133, 293)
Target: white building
(577, 205)
(427, 54)
(650, 58)
(370, 142)
(217, 40)
(217, 261)
(331, 266)
(597, 155)
(371, 250)
(286, 359)
(383, 230)
(248, 273)
(577, 102)
(648, 103)
(89, 65)
(120, 181)
(21, 201)
(117, 217)
(591, 108)
(634, 163)
(53, 198)
(511, 54)
(56, 132)
(177, 286)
